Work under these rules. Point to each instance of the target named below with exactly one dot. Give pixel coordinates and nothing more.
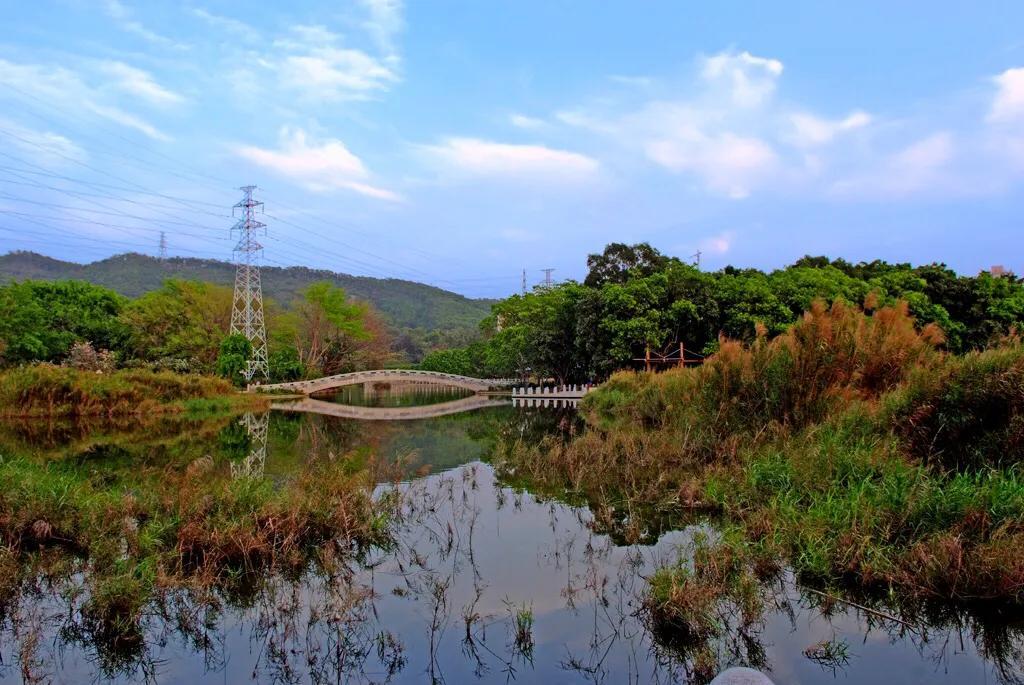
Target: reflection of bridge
(390, 376)
(347, 411)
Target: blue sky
(458, 143)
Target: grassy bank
(44, 390)
(850, 448)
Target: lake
(476, 555)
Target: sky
(460, 143)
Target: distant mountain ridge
(405, 304)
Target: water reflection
(471, 552)
(394, 394)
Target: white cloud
(223, 23)
(809, 130)
(312, 62)
(141, 83)
(581, 119)
(750, 80)
(123, 17)
(66, 88)
(728, 163)
(1008, 104)
(44, 147)
(523, 121)
(486, 157)
(318, 166)
(384, 24)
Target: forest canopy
(634, 297)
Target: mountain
(405, 304)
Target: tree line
(634, 298)
(183, 327)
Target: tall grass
(53, 391)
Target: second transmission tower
(247, 304)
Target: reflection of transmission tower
(252, 465)
(247, 306)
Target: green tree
(620, 262)
(184, 320)
(285, 364)
(41, 320)
(233, 358)
(326, 326)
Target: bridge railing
(392, 374)
(560, 391)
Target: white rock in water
(741, 676)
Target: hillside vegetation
(404, 304)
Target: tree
(620, 262)
(41, 320)
(184, 320)
(233, 358)
(327, 328)
(284, 364)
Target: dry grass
(44, 390)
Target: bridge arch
(316, 385)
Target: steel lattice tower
(247, 305)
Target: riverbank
(44, 390)
(850, 449)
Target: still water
(471, 554)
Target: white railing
(556, 392)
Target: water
(470, 554)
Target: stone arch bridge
(388, 376)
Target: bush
(84, 357)
(233, 360)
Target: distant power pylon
(547, 277)
(163, 246)
(247, 304)
(524, 281)
(696, 258)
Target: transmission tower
(547, 277)
(163, 246)
(524, 281)
(247, 305)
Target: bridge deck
(387, 376)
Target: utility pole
(696, 258)
(163, 246)
(247, 304)
(547, 277)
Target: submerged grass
(44, 390)
(851, 447)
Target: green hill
(405, 304)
